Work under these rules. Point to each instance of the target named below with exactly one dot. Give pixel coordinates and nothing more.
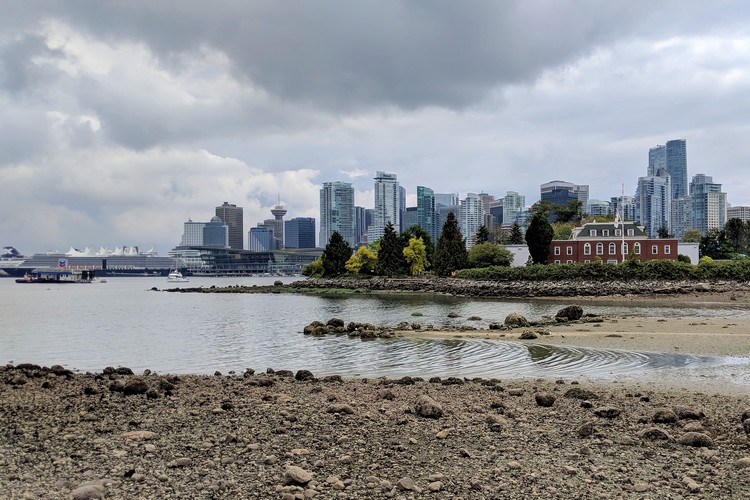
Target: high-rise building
(337, 212)
(387, 205)
(299, 232)
(739, 212)
(192, 235)
(446, 200)
(360, 225)
(672, 157)
(709, 204)
(261, 239)
(655, 203)
(496, 210)
(231, 215)
(216, 233)
(513, 205)
(682, 216)
(677, 167)
(409, 218)
(561, 192)
(470, 217)
(598, 208)
(625, 207)
(428, 217)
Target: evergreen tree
(482, 236)
(450, 251)
(335, 255)
(391, 260)
(539, 236)
(516, 236)
(663, 232)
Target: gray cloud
(142, 114)
(353, 55)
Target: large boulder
(571, 313)
(515, 320)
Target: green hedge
(629, 270)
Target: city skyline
(122, 121)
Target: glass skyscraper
(337, 212)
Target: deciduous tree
(415, 254)
(489, 254)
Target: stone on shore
(515, 320)
(297, 475)
(570, 313)
(428, 407)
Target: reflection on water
(123, 323)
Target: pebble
(139, 435)
(607, 412)
(88, 492)
(297, 475)
(408, 484)
(444, 433)
(743, 463)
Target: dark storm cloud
(354, 55)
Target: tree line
(413, 252)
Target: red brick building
(606, 241)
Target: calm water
(123, 323)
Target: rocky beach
(278, 434)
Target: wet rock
(123, 370)
(453, 315)
(427, 407)
(515, 320)
(696, 439)
(544, 399)
(571, 313)
(528, 335)
(304, 375)
(335, 322)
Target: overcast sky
(121, 120)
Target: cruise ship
(120, 261)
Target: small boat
(176, 277)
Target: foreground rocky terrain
(284, 435)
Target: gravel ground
(116, 435)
